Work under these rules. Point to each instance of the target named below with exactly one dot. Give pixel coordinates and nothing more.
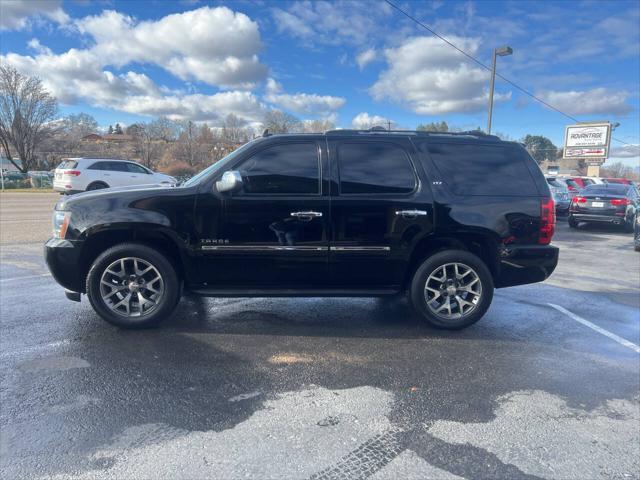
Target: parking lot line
(2, 280)
(595, 327)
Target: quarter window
(289, 169)
(476, 169)
(374, 168)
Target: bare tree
(317, 126)
(165, 129)
(618, 170)
(74, 128)
(148, 146)
(25, 109)
(277, 121)
(233, 129)
(187, 143)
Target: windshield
(220, 164)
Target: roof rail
(384, 131)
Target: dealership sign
(587, 140)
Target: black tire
(573, 223)
(628, 226)
(429, 266)
(164, 306)
(97, 186)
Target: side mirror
(231, 180)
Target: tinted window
(611, 188)
(483, 169)
(133, 168)
(117, 166)
(99, 166)
(282, 169)
(374, 168)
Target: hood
(138, 191)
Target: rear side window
(117, 166)
(290, 169)
(483, 169)
(378, 168)
(99, 166)
(68, 164)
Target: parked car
(444, 217)
(623, 181)
(75, 175)
(606, 203)
(571, 184)
(561, 195)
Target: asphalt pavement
(547, 385)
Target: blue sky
(355, 63)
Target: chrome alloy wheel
(453, 290)
(131, 287)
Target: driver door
(272, 231)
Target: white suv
(75, 175)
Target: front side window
(133, 168)
(289, 169)
(374, 168)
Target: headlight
(60, 223)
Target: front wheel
(133, 286)
(452, 289)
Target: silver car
(561, 195)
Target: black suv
(445, 218)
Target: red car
(624, 181)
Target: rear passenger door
(379, 209)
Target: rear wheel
(452, 289)
(573, 223)
(628, 225)
(133, 286)
(97, 186)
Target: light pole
(497, 52)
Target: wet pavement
(326, 388)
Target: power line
(471, 57)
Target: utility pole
(502, 52)
(389, 125)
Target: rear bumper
(63, 260)
(527, 264)
(586, 217)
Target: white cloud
(16, 14)
(364, 121)
(77, 76)
(366, 57)
(598, 101)
(626, 151)
(332, 23)
(425, 75)
(302, 103)
(214, 45)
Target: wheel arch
(481, 244)
(156, 238)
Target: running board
(283, 292)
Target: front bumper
(64, 261)
(526, 264)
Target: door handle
(306, 215)
(411, 213)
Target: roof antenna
(265, 132)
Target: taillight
(547, 221)
(73, 173)
(579, 200)
(619, 202)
